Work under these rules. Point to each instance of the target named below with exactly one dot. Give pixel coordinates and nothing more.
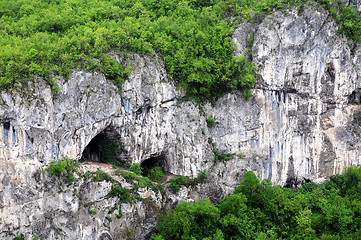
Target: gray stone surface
(302, 122)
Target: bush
(190, 221)
(222, 157)
(136, 168)
(19, 237)
(67, 166)
(100, 176)
(177, 182)
(202, 177)
(122, 193)
(92, 212)
(138, 181)
(210, 121)
(155, 174)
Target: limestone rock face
(301, 123)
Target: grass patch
(100, 176)
(139, 181)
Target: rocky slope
(302, 123)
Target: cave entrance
(155, 168)
(105, 147)
(355, 97)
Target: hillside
(113, 113)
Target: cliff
(302, 124)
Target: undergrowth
(65, 167)
(177, 182)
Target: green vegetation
(88, 204)
(222, 157)
(210, 121)
(19, 237)
(258, 210)
(112, 209)
(139, 181)
(122, 193)
(100, 176)
(155, 173)
(92, 212)
(56, 36)
(136, 168)
(109, 218)
(177, 182)
(47, 38)
(66, 166)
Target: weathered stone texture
(302, 122)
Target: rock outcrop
(301, 124)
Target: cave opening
(155, 168)
(355, 97)
(105, 147)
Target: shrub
(67, 166)
(122, 193)
(35, 43)
(112, 209)
(190, 221)
(202, 177)
(92, 212)
(120, 213)
(222, 157)
(138, 181)
(136, 168)
(155, 174)
(210, 121)
(177, 182)
(100, 176)
(258, 210)
(19, 237)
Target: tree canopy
(53, 37)
(258, 210)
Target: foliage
(177, 182)
(92, 212)
(190, 221)
(67, 166)
(258, 210)
(40, 38)
(139, 181)
(155, 173)
(53, 86)
(136, 168)
(122, 193)
(19, 237)
(100, 176)
(222, 157)
(210, 121)
(45, 38)
(202, 176)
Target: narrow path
(108, 168)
